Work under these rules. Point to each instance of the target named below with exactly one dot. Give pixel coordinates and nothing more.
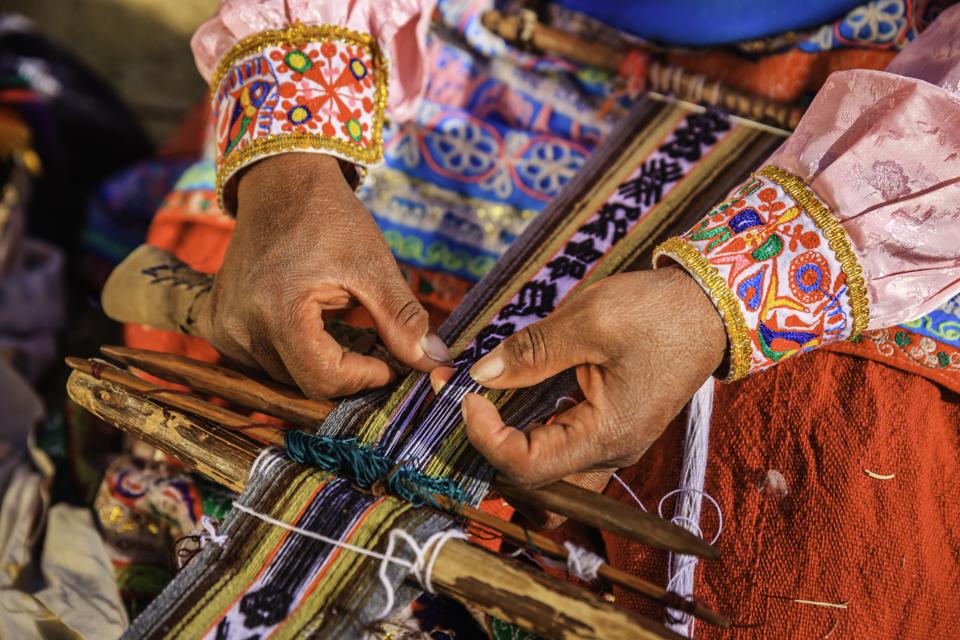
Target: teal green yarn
(363, 466)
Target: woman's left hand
(642, 343)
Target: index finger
(539, 454)
(320, 366)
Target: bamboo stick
(617, 576)
(584, 506)
(502, 587)
(271, 435)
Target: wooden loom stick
(617, 576)
(184, 401)
(502, 587)
(274, 436)
(604, 513)
(272, 398)
(579, 504)
(525, 30)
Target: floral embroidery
(904, 349)
(878, 24)
(304, 88)
(779, 269)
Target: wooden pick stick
(617, 576)
(267, 397)
(271, 435)
(584, 506)
(501, 587)
(605, 513)
(192, 404)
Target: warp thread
(425, 555)
(629, 491)
(369, 469)
(681, 567)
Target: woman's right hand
(304, 244)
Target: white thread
(425, 556)
(210, 534)
(629, 491)
(582, 563)
(693, 525)
(681, 568)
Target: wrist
(698, 319)
(290, 181)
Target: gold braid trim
(837, 240)
(723, 297)
(297, 35)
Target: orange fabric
(888, 549)
(911, 352)
(784, 77)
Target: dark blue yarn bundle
(363, 466)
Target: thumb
(535, 353)
(403, 324)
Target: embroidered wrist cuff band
(319, 89)
(779, 268)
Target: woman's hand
(304, 244)
(642, 344)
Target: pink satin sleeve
(882, 149)
(400, 26)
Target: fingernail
(463, 406)
(436, 382)
(433, 346)
(488, 368)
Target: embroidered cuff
(779, 268)
(320, 89)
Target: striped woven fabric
(656, 174)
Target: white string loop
(688, 522)
(209, 533)
(582, 563)
(425, 556)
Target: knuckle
(528, 348)
(411, 314)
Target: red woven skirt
(790, 452)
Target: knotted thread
(368, 469)
(582, 563)
(209, 533)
